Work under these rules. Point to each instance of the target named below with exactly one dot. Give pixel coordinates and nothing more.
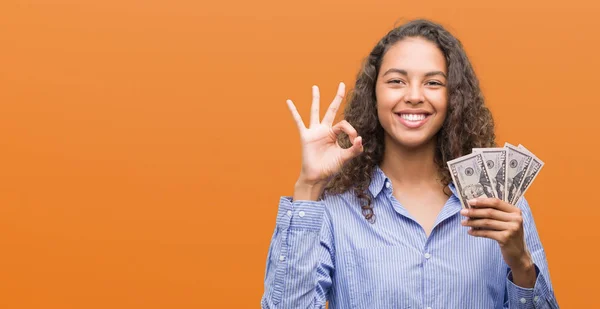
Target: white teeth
(413, 117)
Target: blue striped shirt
(327, 251)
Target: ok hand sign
(322, 156)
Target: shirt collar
(379, 180)
(453, 189)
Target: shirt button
(289, 213)
(427, 255)
(388, 184)
(536, 298)
(523, 300)
(301, 213)
(282, 258)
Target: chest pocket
(382, 278)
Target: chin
(411, 140)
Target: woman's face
(411, 92)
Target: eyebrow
(403, 72)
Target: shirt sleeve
(301, 256)
(541, 295)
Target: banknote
(518, 163)
(470, 178)
(534, 170)
(495, 162)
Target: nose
(414, 94)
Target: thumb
(356, 149)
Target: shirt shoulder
(344, 208)
(341, 202)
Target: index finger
(296, 115)
(492, 202)
(335, 105)
(314, 112)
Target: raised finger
(314, 109)
(335, 105)
(296, 115)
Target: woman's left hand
(498, 220)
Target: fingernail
(472, 201)
(464, 212)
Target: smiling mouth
(413, 117)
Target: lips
(413, 119)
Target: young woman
(375, 221)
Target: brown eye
(434, 83)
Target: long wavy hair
(468, 123)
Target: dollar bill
(495, 162)
(534, 170)
(470, 178)
(518, 163)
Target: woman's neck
(410, 166)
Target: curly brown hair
(468, 124)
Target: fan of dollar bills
(505, 173)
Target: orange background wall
(145, 144)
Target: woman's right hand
(322, 156)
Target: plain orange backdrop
(145, 144)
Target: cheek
(439, 100)
(442, 108)
(387, 98)
(382, 111)
(385, 104)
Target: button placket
(523, 300)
